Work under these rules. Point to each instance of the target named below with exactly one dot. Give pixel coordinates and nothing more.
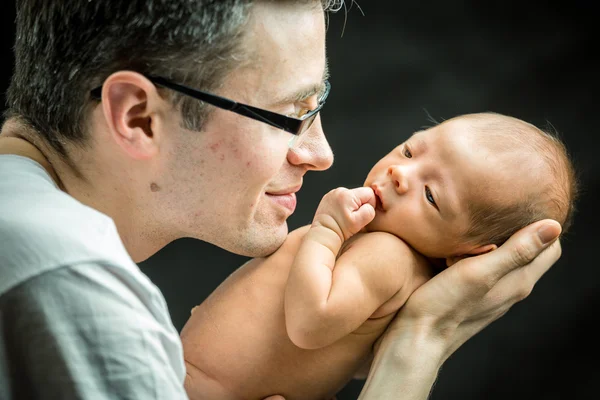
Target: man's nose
(399, 176)
(314, 152)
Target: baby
(302, 322)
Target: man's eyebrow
(306, 92)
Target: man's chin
(259, 242)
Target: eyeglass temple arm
(279, 121)
(276, 120)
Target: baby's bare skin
(236, 342)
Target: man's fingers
(520, 249)
(542, 263)
(519, 283)
(527, 247)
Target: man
(132, 124)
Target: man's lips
(285, 198)
(290, 190)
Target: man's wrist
(406, 365)
(412, 345)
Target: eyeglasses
(295, 126)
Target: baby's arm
(327, 299)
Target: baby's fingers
(365, 207)
(363, 216)
(365, 195)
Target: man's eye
(407, 152)
(303, 112)
(299, 112)
(429, 196)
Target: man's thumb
(528, 245)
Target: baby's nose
(399, 178)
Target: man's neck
(12, 141)
(17, 140)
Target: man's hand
(346, 211)
(452, 307)
(465, 298)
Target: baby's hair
(545, 162)
(431, 119)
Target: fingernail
(547, 233)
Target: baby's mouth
(378, 203)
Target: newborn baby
(302, 322)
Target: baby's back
(236, 345)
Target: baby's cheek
(376, 223)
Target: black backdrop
(391, 68)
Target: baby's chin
(439, 264)
(379, 219)
(372, 227)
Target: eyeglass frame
(295, 126)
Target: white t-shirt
(78, 319)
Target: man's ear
(128, 109)
(474, 252)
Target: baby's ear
(486, 248)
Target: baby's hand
(346, 211)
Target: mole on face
(154, 187)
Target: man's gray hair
(64, 49)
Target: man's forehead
(302, 91)
(287, 43)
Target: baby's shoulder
(381, 248)
(376, 241)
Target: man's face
(425, 185)
(235, 182)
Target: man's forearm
(404, 370)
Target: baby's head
(465, 186)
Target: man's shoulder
(42, 228)
(292, 241)
(76, 315)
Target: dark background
(394, 66)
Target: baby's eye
(429, 196)
(407, 152)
